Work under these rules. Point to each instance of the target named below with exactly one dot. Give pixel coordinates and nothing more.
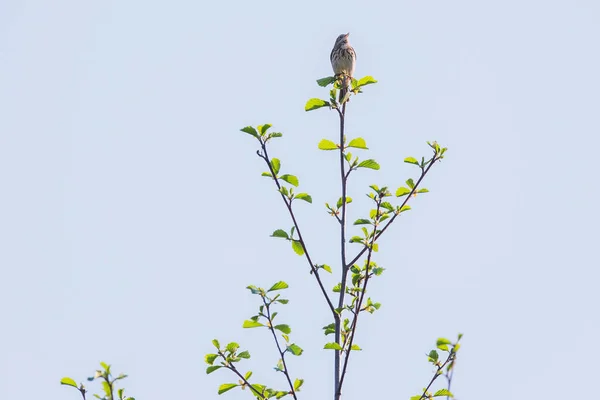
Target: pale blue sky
(133, 213)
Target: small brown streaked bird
(343, 61)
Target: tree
(348, 300)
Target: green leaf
(225, 387)
(355, 347)
(410, 183)
(210, 358)
(326, 81)
(304, 196)
(280, 233)
(362, 221)
(212, 368)
(433, 356)
(417, 397)
(247, 375)
(358, 143)
(267, 174)
(325, 144)
(442, 344)
(443, 392)
(291, 179)
(326, 268)
(297, 384)
(424, 190)
(332, 346)
(251, 324)
(295, 349)
(69, 382)
(276, 165)
(405, 207)
(367, 80)
(283, 328)
(411, 160)
(313, 104)
(263, 128)
(297, 247)
(278, 286)
(232, 347)
(250, 130)
(329, 329)
(402, 191)
(244, 354)
(215, 343)
(369, 164)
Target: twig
(451, 357)
(281, 353)
(362, 295)
(337, 317)
(412, 192)
(288, 204)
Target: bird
(343, 61)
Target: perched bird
(343, 61)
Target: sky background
(133, 214)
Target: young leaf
(410, 183)
(210, 358)
(283, 328)
(280, 233)
(295, 349)
(250, 130)
(263, 128)
(304, 196)
(278, 286)
(442, 344)
(276, 165)
(367, 80)
(332, 346)
(369, 164)
(325, 144)
(244, 354)
(402, 191)
(443, 392)
(326, 268)
(362, 221)
(225, 387)
(212, 368)
(291, 179)
(297, 384)
(232, 347)
(355, 347)
(424, 190)
(411, 160)
(326, 81)
(68, 381)
(297, 247)
(313, 104)
(358, 143)
(251, 324)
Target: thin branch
(281, 353)
(451, 357)
(408, 197)
(337, 385)
(362, 294)
(234, 369)
(288, 204)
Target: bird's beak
(347, 34)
